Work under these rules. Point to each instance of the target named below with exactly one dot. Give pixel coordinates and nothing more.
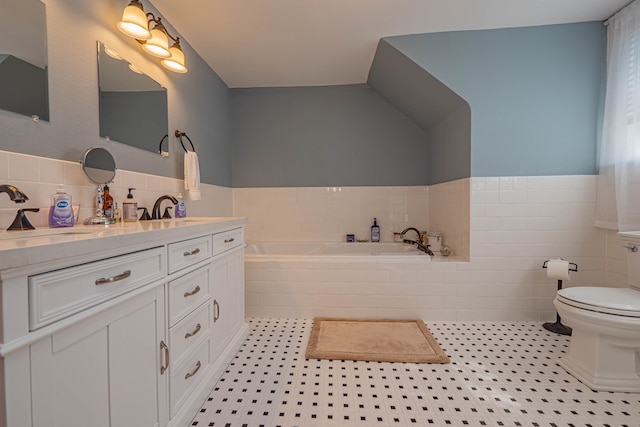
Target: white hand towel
(192, 175)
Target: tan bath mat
(376, 340)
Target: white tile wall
(515, 223)
(329, 213)
(38, 178)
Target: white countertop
(20, 248)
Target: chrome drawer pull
(196, 251)
(193, 292)
(195, 331)
(106, 280)
(165, 349)
(190, 374)
(229, 240)
(632, 248)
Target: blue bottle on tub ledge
(375, 231)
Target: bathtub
(348, 251)
(308, 279)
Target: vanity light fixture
(135, 23)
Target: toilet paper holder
(572, 265)
(557, 326)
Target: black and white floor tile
(501, 374)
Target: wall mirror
(133, 107)
(99, 167)
(23, 58)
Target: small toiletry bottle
(375, 231)
(107, 205)
(130, 208)
(181, 208)
(61, 210)
(117, 214)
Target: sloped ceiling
(258, 43)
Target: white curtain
(618, 202)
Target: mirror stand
(99, 218)
(100, 168)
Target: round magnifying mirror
(98, 165)
(100, 168)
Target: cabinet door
(219, 329)
(227, 297)
(104, 371)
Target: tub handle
(632, 248)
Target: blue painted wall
(324, 136)
(535, 93)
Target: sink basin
(30, 234)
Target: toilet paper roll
(558, 269)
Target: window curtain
(618, 197)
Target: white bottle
(130, 208)
(181, 208)
(61, 210)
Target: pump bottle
(130, 208)
(375, 231)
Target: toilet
(604, 352)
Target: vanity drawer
(188, 252)
(187, 333)
(187, 375)
(61, 293)
(188, 292)
(227, 240)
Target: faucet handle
(21, 222)
(145, 214)
(166, 214)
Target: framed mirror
(133, 107)
(24, 85)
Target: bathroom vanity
(125, 325)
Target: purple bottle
(61, 210)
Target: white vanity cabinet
(121, 328)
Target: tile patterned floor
(502, 374)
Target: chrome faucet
(15, 194)
(419, 243)
(156, 206)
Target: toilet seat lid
(620, 301)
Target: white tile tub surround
(516, 223)
(39, 177)
(329, 213)
(449, 214)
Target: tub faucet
(15, 194)
(414, 229)
(419, 243)
(156, 206)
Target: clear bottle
(61, 210)
(130, 208)
(375, 231)
(181, 207)
(117, 214)
(107, 205)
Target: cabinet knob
(229, 240)
(164, 349)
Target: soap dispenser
(130, 208)
(375, 231)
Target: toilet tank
(631, 241)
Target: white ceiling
(266, 43)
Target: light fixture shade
(175, 62)
(134, 22)
(158, 44)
